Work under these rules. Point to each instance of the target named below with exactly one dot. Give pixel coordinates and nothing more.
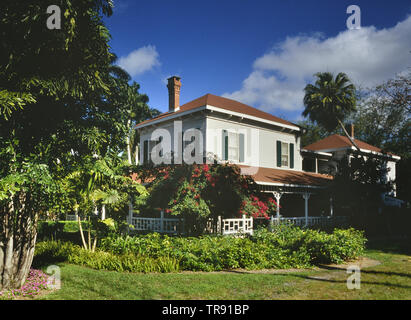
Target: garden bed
(286, 247)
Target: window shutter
(278, 153)
(145, 152)
(241, 147)
(291, 155)
(225, 145)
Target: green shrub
(284, 246)
(56, 251)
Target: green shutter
(291, 155)
(145, 152)
(225, 145)
(241, 147)
(278, 153)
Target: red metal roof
(270, 175)
(223, 103)
(288, 177)
(337, 141)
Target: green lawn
(391, 279)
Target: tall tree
(330, 101)
(57, 107)
(383, 119)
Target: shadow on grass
(407, 275)
(391, 245)
(44, 260)
(344, 281)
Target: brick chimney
(174, 85)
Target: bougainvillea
(207, 191)
(36, 281)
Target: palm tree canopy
(330, 100)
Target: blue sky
(258, 52)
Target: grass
(391, 279)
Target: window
(284, 154)
(233, 146)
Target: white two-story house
(213, 128)
(221, 129)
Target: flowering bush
(199, 192)
(36, 281)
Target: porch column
(277, 196)
(306, 196)
(331, 207)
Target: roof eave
(217, 109)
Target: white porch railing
(313, 221)
(241, 225)
(161, 225)
(234, 226)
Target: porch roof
(283, 177)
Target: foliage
(358, 186)
(36, 282)
(200, 192)
(330, 100)
(285, 247)
(52, 251)
(383, 120)
(64, 108)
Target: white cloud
(368, 56)
(140, 60)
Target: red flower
(206, 168)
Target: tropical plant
(101, 182)
(329, 101)
(60, 106)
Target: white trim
(169, 117)
(243, 115)
(212, 108)
(286, 185)
(325, 151)
(317, 152)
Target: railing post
(161, 221)
(306, 196)
(181, 225)
(130, 213)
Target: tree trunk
(128, 143)
(81, 232)
(349, 136)
(18, 225)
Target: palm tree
(329, 101)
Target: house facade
(213, 128)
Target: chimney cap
(174, 77)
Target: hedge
(285, 247)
